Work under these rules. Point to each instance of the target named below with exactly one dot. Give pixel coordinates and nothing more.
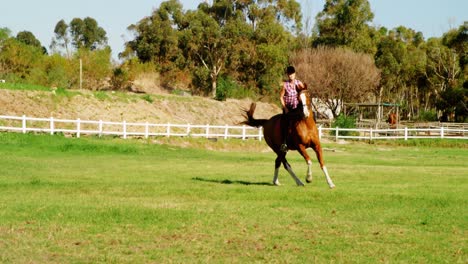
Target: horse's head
(304, 98)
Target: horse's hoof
(308, 181)
(332, 186)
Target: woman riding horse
(303, 134)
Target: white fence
(127, 129)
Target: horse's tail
(250, 120)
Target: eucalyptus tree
(457, 40)
(345, 23)
(246, 39)
(61, 38)
(203, 42)
(86, 33)
(274, 24)
(443, 74)
(156, 36)
(28, 38)
(402, 60)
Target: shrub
(430, 115)
(343, 121)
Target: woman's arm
(282, 93)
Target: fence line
(128, 129)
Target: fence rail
(125, 129)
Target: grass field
(89, 200)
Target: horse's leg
(277, 166)
(291, 172)
(318, 151)
(303, 151)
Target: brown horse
(303, 134)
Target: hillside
(131, 107)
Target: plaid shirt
(290, 96)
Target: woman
(289, 97)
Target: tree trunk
(213, 87)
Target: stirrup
(284, 147)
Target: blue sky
(431, 17)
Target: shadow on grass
(232, 182)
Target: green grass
(89, 200)
(23, 86)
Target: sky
(431, 17)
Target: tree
(61, 38)
(4, 34)
(203, 42)
(345, 23)
(337, 75)
(402, 62)
(86, 33)
(156, 37)
(29, 39)
(457, 40)
(18, 60)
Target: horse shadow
(232, 182)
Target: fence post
(24, 124)
(406, 133)
(260, 133)
(336, 133)
(146, 129)
(370, 134)
(207, 131)
(78, 127)
(188, 130)
(320, 132)
(51, 125)
(124, 129)
(243, 132)
(225, 131)
(442, 132)
(168, 130)
(100, 128)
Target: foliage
(23, 86)
(86, 33)
(345, 23)
(453, 103)
(225, 37)
(354, 79)
(19, 60)
(28, 38)
(427, 116)
(343, 121)
(402, 62)
(228, 88)
(148, 98)
(120, 79)
(96, 67)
